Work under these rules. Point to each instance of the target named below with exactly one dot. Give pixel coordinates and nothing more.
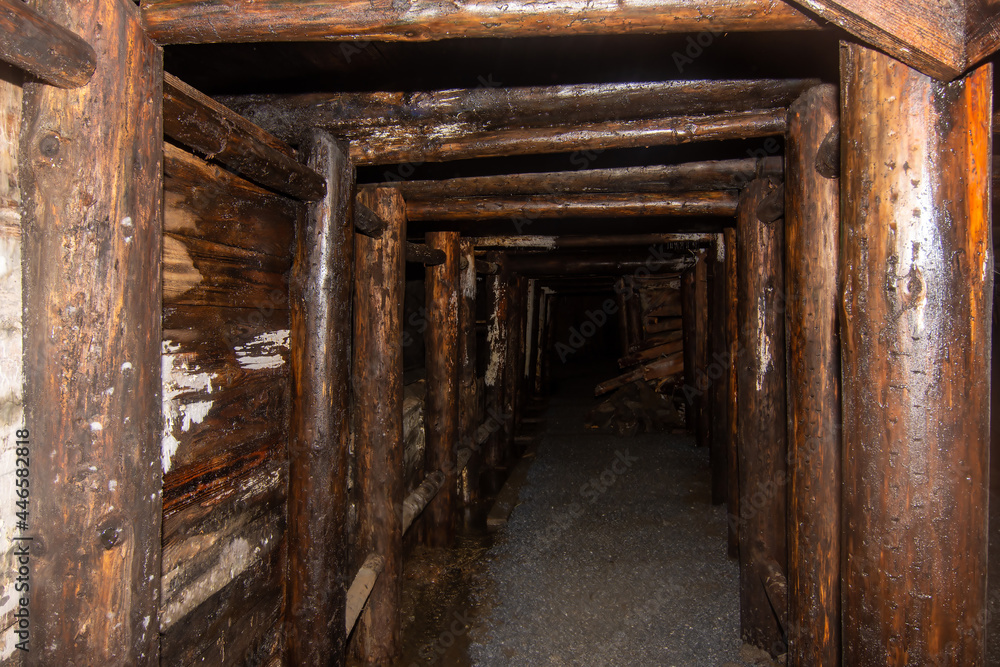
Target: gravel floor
(614, 556)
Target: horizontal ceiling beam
(536, 242)
(691, 176)
(212, 21)
(653, 260)
(597, 205)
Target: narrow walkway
(614, 556)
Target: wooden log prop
(498, 289)
(378, 425)
(43, 48)
(360, 590)
(596, 205)
(717, 372)
(689, 329)
(688, 177)
(670, 366)
(91, 179)
(762, 429)
(668, 240)
(320, 299)
(468, 398)
(442, 402)
(396, 117)
(731, 429)
(703, 413)
(207, 127)
(917, 298)
(651, 353)
(367, 222)
(415, 503)
(812, 244)
(654, 260)
(425, 254)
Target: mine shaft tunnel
(653, 334)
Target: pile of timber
(636, 408)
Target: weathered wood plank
(321, 289)
(91, 185)
(378, 425)
(916, 304)
(812, 245)
(202, 124)
(361, 588)
(602, 205)
(762, 429)
(207, 202)
(44, 48)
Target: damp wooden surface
(43, 48)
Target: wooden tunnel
(264, 334)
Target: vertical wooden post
(703, 406)
(717, 370)
(320, 299)
(812, 232)
(917, 269)
(91, 183)
(441, 406)
(730, 426)
(499, 293)
(378, 424)
(689, 332)
(514, 372)
(530, 335)
(762, 427)
(540, 354)
(468, 415)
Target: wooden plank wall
(11, 376)
(227, 251)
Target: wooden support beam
(600, 205)
(441, 404)
(689, 329)
(468, 398)
(730, 426)
(499, 295)
(366, 222)
(513, 369)
(668, 240)
(717, 372)
(378, 425)
(421, 144)
(207, 127)
(687, 177)
(812, 244)
(44, 48)
(761, 413)
(415, 503)
(651, 353)
(421, 253)
(486, 267)
(917, 298)
(91, 179)
(703, 415)
(360, 590)
(320, 300)
(665, 367)
(189, 22)
(619, 263)
(397, 117)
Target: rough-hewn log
(812, 243)
(444, 113)
(202, 124)
(450, 143)
(915, 330)
(420, 497)
(669, 240)
(651, 353)
(730, 427)
(703, 414)
(378, 425)
(361, 589)
(92, 194)
(366, 222)
(601, 205)
(421, 253)
(44, 48)
(320, 300)
(689, 332)
(667, 366)
(688, 177)
(717, 372)
(468, 399)
(441, 404)
(498, 289)
(761, 413)
(486, 268)
(557, 264)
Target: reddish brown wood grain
(442, 403)
(91, 188)
(43, 48)
(731, 429)
(378, 424)
(469, 418)
(915, 328)
(717, 372)
(499, 292)
(321, 290)
(762, 429)
(812, 243)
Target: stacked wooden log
(635, 408)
